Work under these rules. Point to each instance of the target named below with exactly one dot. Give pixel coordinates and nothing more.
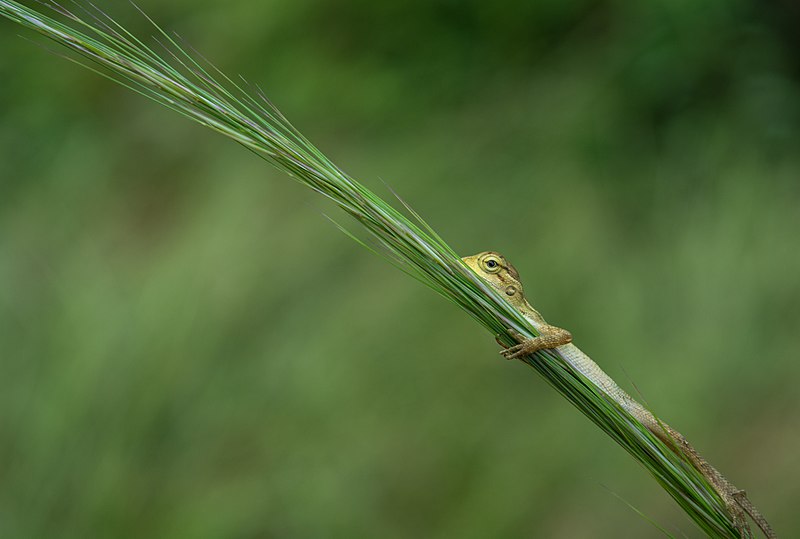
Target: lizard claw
(513, 352)
(526, 347)
(550, 337)
(518, 350)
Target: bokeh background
(188, 348)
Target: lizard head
(493, 268)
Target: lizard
(496, 271)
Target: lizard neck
(530, 313)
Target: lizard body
(493, 268)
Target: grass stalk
(169, 74)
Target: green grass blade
(207, 96)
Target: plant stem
(193, 87)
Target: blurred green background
(189, 349)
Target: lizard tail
(735, 499)
(745, 503)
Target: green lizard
(502, 276)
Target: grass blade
(193, 87)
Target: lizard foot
(740, 522)
(731, 500)
(526, 346)
(551, 337)
(520, 350)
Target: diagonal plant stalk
(194, 88)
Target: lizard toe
(512, 352)
(515, 352)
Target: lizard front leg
(549, 337)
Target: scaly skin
(503, 277)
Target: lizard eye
(491, 265)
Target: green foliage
(263, 130)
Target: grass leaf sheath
(169, 74)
